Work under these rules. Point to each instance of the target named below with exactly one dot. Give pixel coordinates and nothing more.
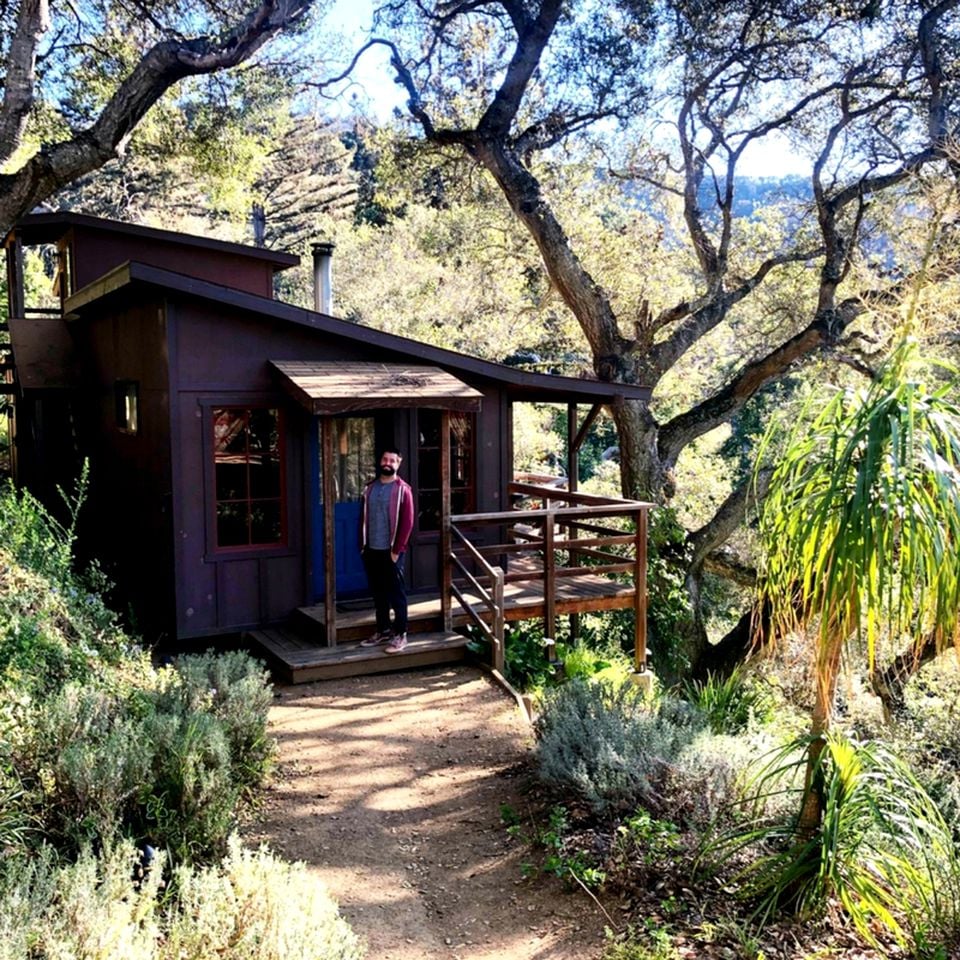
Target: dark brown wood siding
(127, 521)
(96, 252)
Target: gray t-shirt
(378, 516)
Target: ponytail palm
(861, 528)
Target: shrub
(236, 690)
(729, 704)
(250, 907)
(89, 762)
(170, 760)
(609, 747)
(54, 625)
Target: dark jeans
(386, 584)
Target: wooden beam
(329, 527)
(573, 482)
(586, 425)
(573, 449)
(15, 299)
(549, 578)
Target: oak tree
(677, 94)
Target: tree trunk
(641, 472)
(812, 806)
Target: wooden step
(293, 659)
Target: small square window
(127, 399)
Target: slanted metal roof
(342, 387)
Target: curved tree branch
(160, 68)
(717, 409)
(729, 516)
(33, 21)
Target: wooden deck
(522, 601)
(298, 653)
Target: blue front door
(354, 463)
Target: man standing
(385, 524)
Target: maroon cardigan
(401, 514)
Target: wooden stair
(294, 657)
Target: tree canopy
(80, 77)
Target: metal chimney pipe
(322, 277)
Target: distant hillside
(754, 193)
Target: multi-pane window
(462, 472)
(248, 476)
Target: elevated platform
(298, 653)
(524, 600)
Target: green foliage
(928, 735)
(729, 704)
(250, 907)
(189, 804)
(668, 604)
(862, 521)
(87, 761)
(561, 856)
(641, 837)
(607, 746)
(649, 941)
(54, 625)
(236, 691)
(883, 851)
(525, 655)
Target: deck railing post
(549, 575)
(640, 593)
(499, 621)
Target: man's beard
(386, 471)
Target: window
(248, 476)
(354, 457)
(126, 395)
(462, 474)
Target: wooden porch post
(15, 298)
(446, 572)
(329, 545)
(573, 481)
(640, 594)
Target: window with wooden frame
(463, 483)
(248, 477)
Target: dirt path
(390, 788)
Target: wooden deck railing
(564, 532)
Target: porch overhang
(330, 388)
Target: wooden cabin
(219, 423)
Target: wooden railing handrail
(548, 541)
(493, 600)
(628, 507)
(559, 493)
